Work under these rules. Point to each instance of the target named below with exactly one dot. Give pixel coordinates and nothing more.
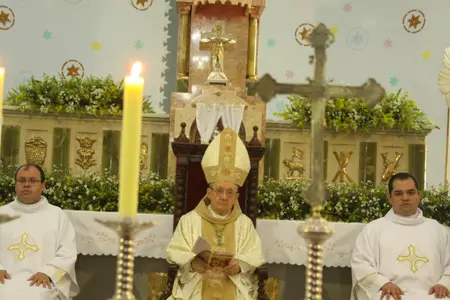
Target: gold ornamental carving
(158, 285)
(35, 151)
(143, 156)
(271, 287)
(295, 165)
(342, 172)
(86, 153)
(218, 38)
(390, 167)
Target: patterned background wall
(79, 38)
(399, 43)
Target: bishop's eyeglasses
(220, 191)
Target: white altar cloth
(282, 244)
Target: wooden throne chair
(191, 186)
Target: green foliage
(348, 202)
(395, 111)
(283, 199)
(95, 192)
(90, 95)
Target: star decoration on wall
(7, 18)
(4, 18)
(414, 21)
(357, 38)
(138, 45)
(334, 30)
(302, 32)
(393, 81)
(271, 43)
(141, 4)
(289, 74)
(348, 7)
(72, 68)
(73, 71)
(280, 106)
(388, 43)
(47, 35)
(96, 46)
(426, 54)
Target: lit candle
(130, 142)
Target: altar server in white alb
(38, 249)
(402, 255)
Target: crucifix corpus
(318, 91)
(218, 38)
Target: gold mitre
(226, 159)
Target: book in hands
(215, 259)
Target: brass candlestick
(126, 228)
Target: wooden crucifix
(318, 91)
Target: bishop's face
(405, 198)
(222, 196)
(29, 185)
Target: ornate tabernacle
(216, 43)
(191, 186)
(239, 22)
(318, 91)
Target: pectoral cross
(318, 91)
(218, 38)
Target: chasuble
(411, 252)
(235, 234)
(225, 160)
(42, 240)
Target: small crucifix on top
(218, 38)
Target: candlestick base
(126, 228)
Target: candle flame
(136, 69)
(2, 71)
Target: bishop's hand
(232, 268)
(391, 290)
(439, 291)
(40, 279)
(4, 275)
(199, 265)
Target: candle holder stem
(127, 229)
(125, 262)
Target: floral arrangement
(283, 199)
(90, 95)
(395, 111)
(94, 192)
(347, 202)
